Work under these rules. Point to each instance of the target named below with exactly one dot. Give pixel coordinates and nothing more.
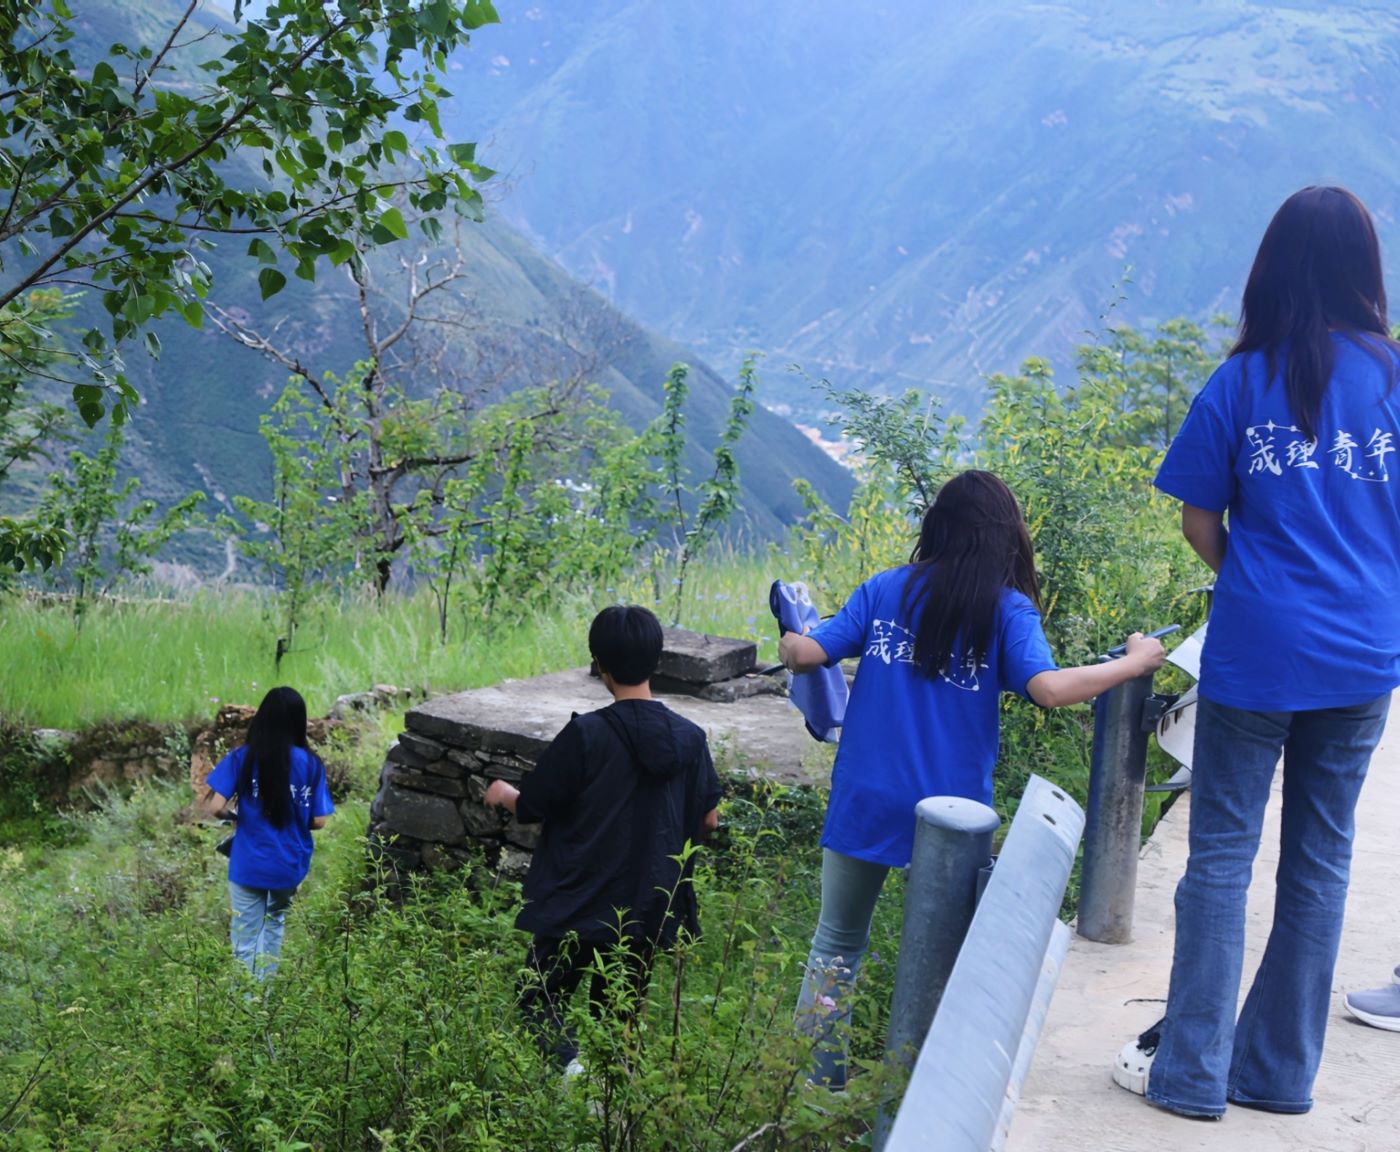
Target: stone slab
(721, 691)
(429, 750)
(1107, 994)
(421, 815)
(451, 786)
(698, 658)
(762, 734)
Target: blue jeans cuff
(1284, 1107)
(1198, 1111)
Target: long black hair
(972, 545)
(1318, 269)
(277, 728)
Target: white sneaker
(1378, 1007)
(1134, 1062)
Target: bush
(124, 1021)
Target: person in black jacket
(620, 792)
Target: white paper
(1176, 730)
(1187, 654)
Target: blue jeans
(850, 888)
(259, 921)
(1269, 1058)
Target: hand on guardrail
(1144, 652)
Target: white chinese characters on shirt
(894, 644)
(1275, 448)
(301, 793)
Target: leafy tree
(117, 170)
(113, 534)
(1153, 375)
(718, 494)
(28, 427)
(113, 171)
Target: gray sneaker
(1379, 1007)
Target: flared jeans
(1269, 1056)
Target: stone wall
(428, 811)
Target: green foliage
(1152, 377)
(113, 536)
(1080, 460)
(114, 169)
(124, 1021)
(718, 494)
(308, 532)
(28, 426)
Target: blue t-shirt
(906, 735)
(1307, 604)
(264, 856)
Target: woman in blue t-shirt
(939, 640)
(280, 787)
(1292, 437)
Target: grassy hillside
(913, 194)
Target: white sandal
(1134, 1062)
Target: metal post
(1113, 837)
(975, 1045)
(952, 844)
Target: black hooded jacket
(619, 792)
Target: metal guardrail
(952, 847)
(977, 1050)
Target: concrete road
(1107, 994)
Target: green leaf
(270, 282)
(262, 250)
(193, 312)
(392, 220)
(395, 141)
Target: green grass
(124, 1022)
(178, 661)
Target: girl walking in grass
(939, 640)
(280, 788)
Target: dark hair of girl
(972, 545)
(1318, 269)
(277, 728)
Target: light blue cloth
(820, 695)
(908, 735)
(1307, 605)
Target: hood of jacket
(649, 725)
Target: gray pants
(850, 888)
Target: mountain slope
(198, 423)
(201, 402)
(920, 194)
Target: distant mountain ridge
(911, 194)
